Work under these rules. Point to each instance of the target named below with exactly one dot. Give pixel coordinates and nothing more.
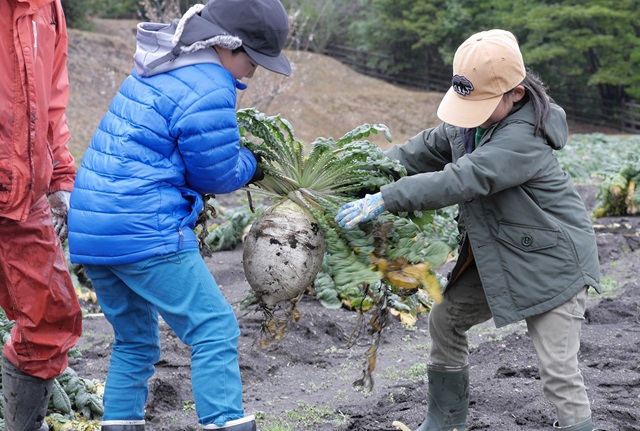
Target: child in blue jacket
(169, 137)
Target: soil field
(305, 380)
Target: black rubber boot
(122, 426)
(245, 424)
(448, 398)
(26, 399)
(586, 425)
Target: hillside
(98, 62)
(321, 98)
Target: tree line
(579, 47)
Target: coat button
(527, 240)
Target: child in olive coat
(527, 248)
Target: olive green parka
(519, 214)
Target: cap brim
(278, 64)
(462, 112)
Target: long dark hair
(536, 93)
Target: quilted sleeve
(209, 142)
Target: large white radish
(283, 253)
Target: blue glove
(365, 209)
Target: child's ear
(518, 93)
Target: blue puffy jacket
(166, 140)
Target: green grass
(415, 373)
(609, 288)
(303, 416)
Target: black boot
(448, 398)
(26, 399)
(122, 426)
(244, 424)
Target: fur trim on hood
(157, 45)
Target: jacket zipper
(181, 238)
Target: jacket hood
(556, 130)
(155, 40)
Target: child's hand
(365, 209)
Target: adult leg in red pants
(37, 293)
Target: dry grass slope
(321, 98)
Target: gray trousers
(555, 335)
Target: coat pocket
(528, 238)
(538, 263)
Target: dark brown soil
(307, 377)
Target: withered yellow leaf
(408, 318)
(381, 264)
(402, 280)
(432, 286)
(417, 271)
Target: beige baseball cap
(485, 66)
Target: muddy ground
(305, 380)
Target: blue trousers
(180, 288)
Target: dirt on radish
(283, 252)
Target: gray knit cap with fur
(192, 42)
(260, 26)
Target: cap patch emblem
(461, 85)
